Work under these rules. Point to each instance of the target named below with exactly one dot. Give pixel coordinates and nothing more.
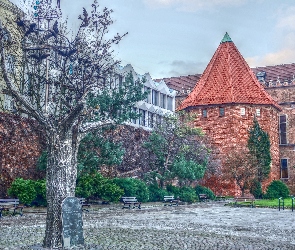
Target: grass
(274, 203)
(271, 203)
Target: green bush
(156, 193)
(188, 194)
(24, 190)
(97, 186)
(204, 190)
(173, 190)
(40, 188)
(277, 189)
(256, 189)
(133, 188)
(29, 192)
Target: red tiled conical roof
(228, 79)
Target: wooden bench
(220, 198)
(250, 200)
(84, 205)
(10, 204)
(171, 200)
(128, 201)
(203, 197)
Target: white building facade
(159, 102)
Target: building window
(150, 119)
(284, 169)
(148, 98)
(142, 117)
(204, 113)
(155, 97)
(283, 129)
(169, 103)
(162, 101)
(258, 112)
(243, 111)
(221, 111)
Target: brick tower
(226, 99)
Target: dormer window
(221, 112)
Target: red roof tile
(227, 79)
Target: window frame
(285, 168)
(281, 133)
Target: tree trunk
(61, 177)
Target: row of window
(146, 119)
(222, 112)
(159, 99)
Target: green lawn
(274, 203)
(270, 203)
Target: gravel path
(199, 226)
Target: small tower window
(221, 111)
(243, 111)
(204, 113)
(258, 112)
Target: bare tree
(240, 167)
(66, 85)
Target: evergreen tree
(259, 147)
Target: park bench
(203, 197)
(171, 200)
(249, 200)
(220, 198)
(84, 204)
(128, 201)
(10, 204)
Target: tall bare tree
(67, 86)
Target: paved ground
(200, 226)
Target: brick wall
(20, 148)
(231, 131)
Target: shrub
(156, 193)
(173, 190)
(24, 190)
(40, 188)
(277, 189)
(133, 187)
(97, 186)
(256, 189)
(204, 190)
(188, 194)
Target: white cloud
(191, 5)
(284, 34)
(181, 68)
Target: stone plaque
(72, 223)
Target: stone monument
(72, 223)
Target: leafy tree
(240, 166)
(176, 150)
(67, 86)
(95, 151)
(259, 148)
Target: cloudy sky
(178, 37)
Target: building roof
(275, 75)
(228, 79)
